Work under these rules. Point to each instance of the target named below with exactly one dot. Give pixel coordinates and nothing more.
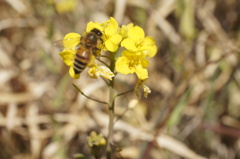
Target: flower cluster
(111, 40)
(138, 48)
(133, 59)
(96, 139)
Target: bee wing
(67, 44)
(58, 44)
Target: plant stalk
(111, 108)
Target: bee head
(97, 32)
(93, 36)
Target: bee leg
(94, 51)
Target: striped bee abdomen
(86, 49)
(81, 61)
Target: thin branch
(120, 116)
(125, 111)
(120, 94)
(107, 83)
(88, 96)
(105, 56)
(103, 63)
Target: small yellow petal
(148, 41)
(149, 51)
(129, 44)
(110, 46)
(71, 40)
(136, 33)
(112, 27)
(68, 57)
(144, 63)
(72, 73)
(122, 65)
(142, 73)
(124, 30)
(112, 43)
(99, 70)
(93, 25)
(148, 46)
(116, 38)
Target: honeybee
(88, 46)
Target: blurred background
(193, 110)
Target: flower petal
(112, 43)
(148, 46)
(110, 46)
(99, 70)
(112, 27)
(148, 41)
(144, 63)
(136, 33)
(68, 57)
(124, 30)
(116, 38)
(142, 73)
(71, 40)
(129, 44)
(149, 51)
(72, 73)
(93, 25)
(122, 65)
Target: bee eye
(99, 33)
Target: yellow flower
(130, 63)
(133, 59)
(137, 42)
(112, 37)
(138, 48)
(111, 41)
(98, 70)
(70, 41)
(63, 6)
(96, 139)
(110, 30)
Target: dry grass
(192, 112)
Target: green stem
(120, 94)
(103, 63)
(79, 90)
(111, 107)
